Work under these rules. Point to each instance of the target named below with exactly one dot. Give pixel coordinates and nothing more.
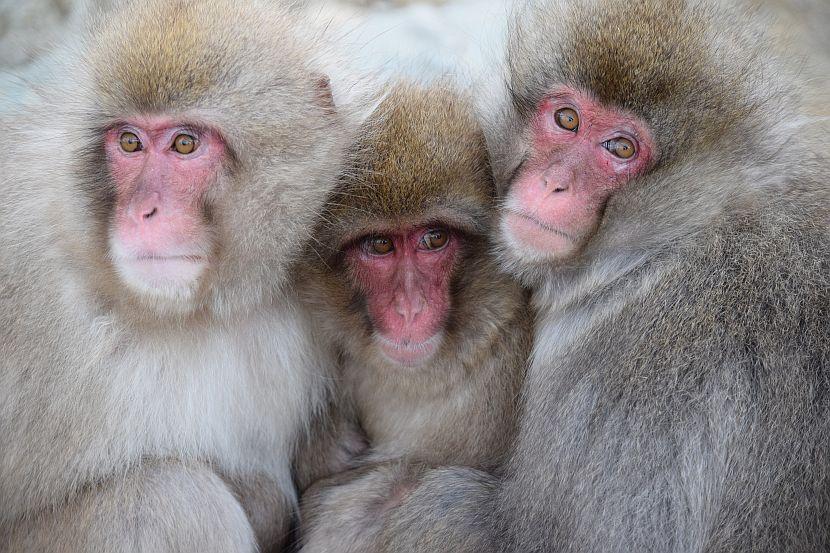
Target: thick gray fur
(127, 425)
(679, 394)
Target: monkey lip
(527, 218)
(164, 258)
(408, 353)
(154, 272)
(177, 267)
(536, 235)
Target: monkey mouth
(408, 353)
(165, 275)
(164, 258)
(541, 224)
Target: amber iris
(435, 239)
(567, 118)
(621, 147)
(184, 144)
(380, 245)
(129, 142)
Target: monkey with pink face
(666, 202)
(432, 338)
(158, 371)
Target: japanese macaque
(157, 372)
(433, 338)
(661, 202)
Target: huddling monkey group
(585, 311)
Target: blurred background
(422, 38)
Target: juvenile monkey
(432, 337)
(672, 219)
(156, 371)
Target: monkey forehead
(426, 141)
(457, 218)
(665, 60)
(159, 55)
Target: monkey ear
(325, 97)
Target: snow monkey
(433, 338)
(660, 200)
(156, 371)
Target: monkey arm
(400, 506)
(333, 445)
(165, 506)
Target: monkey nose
(146, 208)
(555, 186)
(408, 308)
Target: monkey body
(681, 352)
(421, 164)
(708, 405)
(410, 261)
(158, 370)
(668, 207)
(172, 394)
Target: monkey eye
(434, 239)
(567, 118)
(621, 147)
(129, 142)
(184, 144)
(379, 245)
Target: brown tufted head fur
(422, 157)
(683, 66)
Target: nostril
(559, 187)
(150, 213)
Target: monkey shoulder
(753, 293)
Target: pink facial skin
(556, 201)
(407, 292)
(159, 240)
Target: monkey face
(581, 153)
(404, 276)
(159, 239)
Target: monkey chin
(408, 354)
(166, 284)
